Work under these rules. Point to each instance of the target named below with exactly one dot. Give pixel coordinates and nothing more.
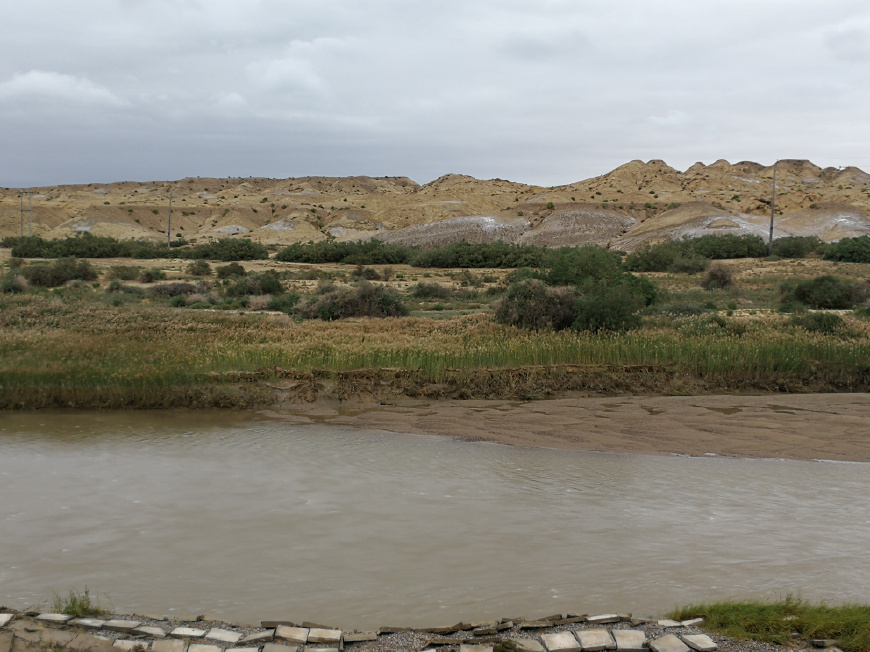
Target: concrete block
(128, 646)
(528, 645)
(667, 622)
(89, 643)
(276, 647)
(668, 643)
(328, 636)
(360, 637)
(260, 637)
(602, 619)
(187, 632)
(595, 640)
(298, 635)
(629, 640)
(692, 621)
(154, 632)
(475, 648)
(88, 623)
(169, 646)
(243, 649)
(699, 642)
(535, 624)
(561, 642)
(223, 635)
(53, 618)
(199, 647)
(5, 618)
(123, 626)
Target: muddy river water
(242, 517)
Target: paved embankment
(20, 632)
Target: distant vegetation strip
(775, 622)
(96, 355)
(687, 255)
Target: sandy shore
(792, 426)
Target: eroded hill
(634, 203)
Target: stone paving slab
(699, 642)
(475, 648)
(561, 642)
(595, 640)
(277, 647)
(128, 646)
(298, 635)
(120, 625)
(168, 646)
(528, 645)
(667, 622)
(54, 618)
(199, 647)
(260, 637)
(155, 632)
(692, 621)
(629, 640)
(90, 623)
(5, 618)
(668, 643)
(187, 632)
(361, 637)
(535, 624)
(242, 649)
(603, 619)
(329, 636)
(89, 643)
(223, 635)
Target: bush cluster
(850, 250)
(372, 252)
(692, 255)
(795, 246)
(59, 272)
(256, 284)
(362, 300)
(822, 293)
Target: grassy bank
(77, 352)
(774, 622)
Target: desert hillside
(634, 203)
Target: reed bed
(75, 347)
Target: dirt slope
(634, 203)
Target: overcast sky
(537, 91)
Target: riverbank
(21, 632)
(799, 427)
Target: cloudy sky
(538, 91)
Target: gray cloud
(547, 92)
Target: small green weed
(79, 605)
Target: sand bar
(791, 426)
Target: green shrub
(819, 322)
(230, 271)
(372, 252)
(823, 293)
(430, 291)
(78, 605)
(533, 304)
(466, 255)
(256, 284)
(283, 302)
(367, 273)
(123, 272)
(574, 266)
(608, 307)
(200, 268)
(224, 249)
(674, 257)
(59, 272)
(149, 275)
(178, 301)
(14, 284)
(797, 246)
(362, 300)
(718, 277)
(849, 250)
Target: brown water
(243, 518)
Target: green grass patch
(79, 605)
(774, 622)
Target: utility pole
(21, 209)
(772, 211)
(169, 223)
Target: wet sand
(791, 426)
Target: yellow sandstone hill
(637, 202)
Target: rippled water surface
(244, 518)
